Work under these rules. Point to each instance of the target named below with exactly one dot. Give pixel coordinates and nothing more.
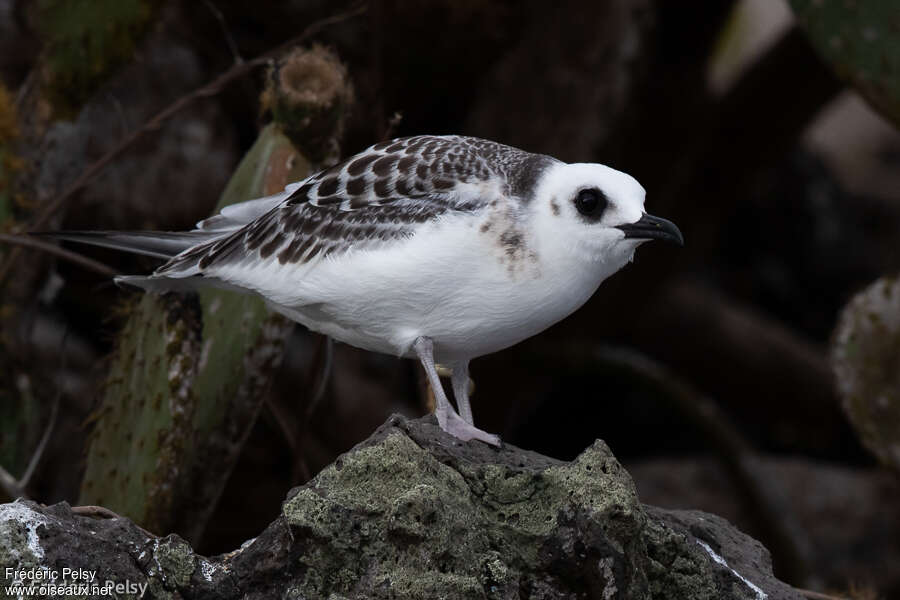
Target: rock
(843, 520)
(414, 513)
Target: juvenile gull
(443, 248)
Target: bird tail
(159, 244)
(181, 249)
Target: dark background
(706, 369)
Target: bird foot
(453, 424)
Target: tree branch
(73, 257)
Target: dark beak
(653, 228)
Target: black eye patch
(591, 202)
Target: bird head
(594, 215)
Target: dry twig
(73, 257)
(101, 512)
(16, 488)
(326, 351)
(229, 39)
(10, 486)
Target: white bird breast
(458, 280)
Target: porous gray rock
(414, 513)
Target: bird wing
(373, 198)
(235, 216)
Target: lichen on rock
(414, 513)
(19, 543)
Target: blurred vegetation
(18, 409)
(866, 358)
(308, 93)
(186, 381)
(85, 41)
(860, 40)
(189, 373)
(9, 162)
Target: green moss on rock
(671, 572)
(501, 521)
(176, 560)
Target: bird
(436, 248)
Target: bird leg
(447, 418)
(460, 382)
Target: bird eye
(590, 202)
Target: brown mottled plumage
(374, 197)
